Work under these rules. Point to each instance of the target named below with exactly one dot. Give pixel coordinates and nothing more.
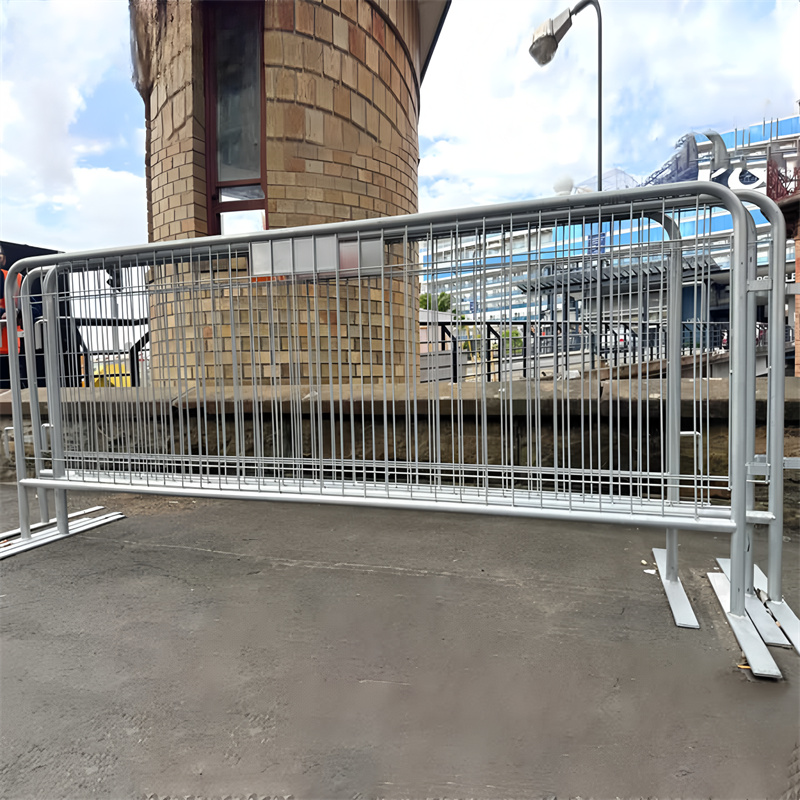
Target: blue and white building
(504, 276)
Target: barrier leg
(759, 616)
(777, 388)
(672, 554)
(732, 592)
(62, 516)
(765, 624)
(44, 505)
(667, 560)
(788, 620)
(24, 512)
(755, 651)
(667, 563)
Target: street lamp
(544, 46)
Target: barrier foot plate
(755, 651)
(676, 595)
(759, 578)
(769, 631)
(52, 534)
(789, 622)
(37, 526)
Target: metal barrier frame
(654, 202)
(772, 463)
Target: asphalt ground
(214, 649)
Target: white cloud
(104, 208)
(11, 112)
(514, 128)
(55, 54)
(503, 128)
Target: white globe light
(563, 185)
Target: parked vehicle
(617, 340)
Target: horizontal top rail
(395, 229)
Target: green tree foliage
(516, 341)
(443, 302)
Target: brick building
(280, 113)
(272, 114)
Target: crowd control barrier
(581, 382)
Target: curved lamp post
(544, 46)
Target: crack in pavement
(329, 565)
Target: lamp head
(544, 44)
(547, 36)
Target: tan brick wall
(342, 110)
(170, 79)
(209, 328)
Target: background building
(511, 278)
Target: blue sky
(494, 126)
(71, 126)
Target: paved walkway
(218, 648)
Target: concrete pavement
(218, 648)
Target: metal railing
(781, 183)
(286, 366)
(518, 345)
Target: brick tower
(271, 114)
(280, 113)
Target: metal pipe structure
(777, 386)
(541, 211)
(285, 365)
(738, 410)
(11, 295)
(30, 354)
(356, 495)
(52, 347)
(779, 608)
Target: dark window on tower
(235, 116)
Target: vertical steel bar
(28, 323)
(11, 293)
(674, 304)
(49, 291)
(750, 407)
(775, 401)
(738, 406)
(777, 381)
